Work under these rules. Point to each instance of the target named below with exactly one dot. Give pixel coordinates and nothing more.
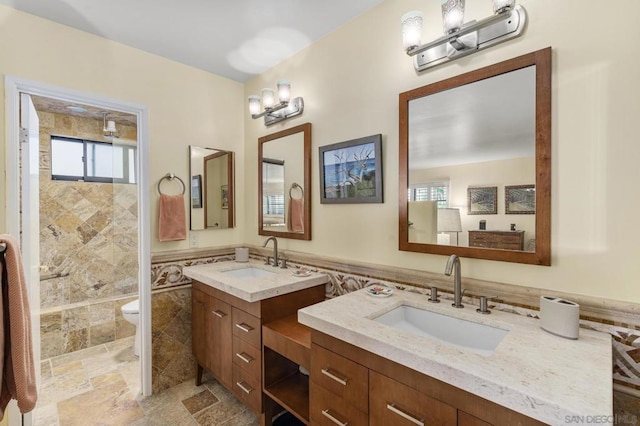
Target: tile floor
(99, 386)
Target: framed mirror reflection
(212, 188)
(465, 143)
(284, 193)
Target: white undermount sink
(479, 338)
(249, 273)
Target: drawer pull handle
(333, 419)
(246, 358)
(219, 313)
(244, 327)
(327, 372)
(393, 409)
(244, 388)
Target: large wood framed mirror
(475, 163)
(212, 188)
(284, 184)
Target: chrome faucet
(454, 260)
(275, 250)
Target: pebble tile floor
(100, 386)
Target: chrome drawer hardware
(244, 327)
(219, 314)
(333, 419)
(392, 408)
(246, 358)
(244, 388)
(327, 372)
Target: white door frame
(13, 88)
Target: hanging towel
(16, 351)
(295, 218)
(172, 224)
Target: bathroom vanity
(230, 303)
(367, 370)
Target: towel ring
(171, 176)
(296, 186)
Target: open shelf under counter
(286, 346)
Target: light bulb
(411, 29)
(284, 90)
(452, 15)
(268, 98)
(254, 105)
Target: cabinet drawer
(465, 419)
(246, 327)
(393, 403)
(247, 388)
(327, 409)
(342, 377)
(247, 357)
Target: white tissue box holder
(559, 316)
(242, 254)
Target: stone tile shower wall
(88, 230)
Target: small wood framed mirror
(284, 184)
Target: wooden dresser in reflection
(505, 240)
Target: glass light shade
(500, 6)
(452, 15)
(254, 104)
(411, 29)
(284, 90)
(111, 126)
(268, 98)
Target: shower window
(92, 161)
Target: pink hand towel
(17, 372)
(172, 225)
(295, 218)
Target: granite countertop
(252, 289)
(533, 372)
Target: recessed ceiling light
(76, 108)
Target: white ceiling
(237, 39)
(492, 119)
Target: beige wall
(351, 79)
(186, 105)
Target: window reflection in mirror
(273, 211)
(475, 163)
(212, 188)
(285, 177)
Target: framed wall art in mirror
(487, 128)
(284, 183)
(482, 200)
(211, 169)
(351, 171)
(520, 199)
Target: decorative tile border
(345, 278)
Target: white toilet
(131, 312)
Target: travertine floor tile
(112, 404)
(199, 401)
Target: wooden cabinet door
(220, 340)
(465, 419)
(393, 403)
(199, 302)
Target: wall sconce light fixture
(274, 112)
(461, 39)
(109, 127)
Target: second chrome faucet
(275, 253)
(453, 266)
